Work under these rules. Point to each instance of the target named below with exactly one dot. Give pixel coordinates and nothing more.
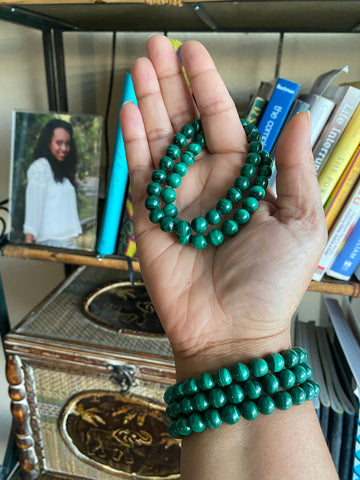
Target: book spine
(345, 222)
(320, 109)
(340, 156)
(117, 185)
(348, 258)
(276, 111)
(255, 110)
(342, 190)
(335, 127)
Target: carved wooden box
(87, 370)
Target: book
(258, 102)
(320, 109)
(340, 156)
(344, 223)
(118, 181)
(342, 190)
(126, 242)
(346, 99)
(276, 110)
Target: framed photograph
(54, 179)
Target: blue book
(348, 258)
(276, 111)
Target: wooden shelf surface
(351, 289)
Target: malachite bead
(173, 151)
(286, 378)
(194, 148)
(229, 228)
(158, 176)
(257, 192)
(255, 147)
(196, 124)
(178, 390)
(242, 183)
(235, 393)
(249, 410)
(199, 224)
(309, 390)
(181, 169)
(224, 206)
(276, 362)
(186, 406)
(240, 372)
(303, 354)
(300, 374)
(180, 140)
(253, 159)
(261, 181)
(173, 411)
(250, 204)
(249, 128)
(156, 215)
(254, 136)
(200, 402)
(170, 210)
(190, 386)
(197, 423)
(187, 130)
(298, 395)
(173, 431)
(266, 405)
(270, 383)
(316, 387)
(185, 239)
(152, 202)
(265, 170)
(217, 398)
(200, 139)
(244, 122)
(199, 241)
(174, 180)
(266, 159)
(166, 163)
(183, 227)
(223, 377)
(168, 195)
(230, 414)
(241, 216)
(248, 170)
(309, 370)
(283, 400)
(205, 381)
(168, 395)
(213, 216)
(291, 357)
(234, 195)
(252, 389)
(167, 224)
(153, 189)
(215, 237)
(258, 367)
(212, 418)
(188, 158)
(183, 426)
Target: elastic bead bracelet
(249, 188)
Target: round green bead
(224, 206)
(250, 204)
(291, 357)
(241, 216)
(200, 139)
(187, 130)
(206, 381)
(168, 395)
(183, 426)
(244, 122)
(258, 367)
(173, 151)
(186, 406)
(270, 383)
(212, 418)
(168, 195)
(253, 159)
(261, 181)
(265, 170)
(173, 431)
(252, 389)
(242, 183)
(183, 227)
(298, 395)
(194, 148)
(254, 136)
(188, 158)
(170, 210)
(178, 390)
(158, 176)
(309, 390)
(153, 189)
(300, 374)
(249, 410)
(190, 386)
(234, 393)
(180, 140)
(167, 224)
(276, 362)
(199, 224)
(215, 237)
(230, 228)
(174, 180)
(303, 354)
(152, 202)
(255, 147)
(223, 377)
(196, 423)
(156, 215)
(240, 372)
(200, 402)
(230, 414)
(196, 124)
(181, 169)
(257, 192)
(309, 370)
(265, 158)
(217, 398)
(248, 170)
(266, 405)
(213, 216)
(166, 163)
(249, 128)
(234, 195)
(286, 378)
(184, 239)
(283, 400)
(316, 387)
(173, 411)
(199, 241)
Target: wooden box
(87, 370)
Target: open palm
(247, 288)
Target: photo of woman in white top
(51, 212)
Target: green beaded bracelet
(249, 187)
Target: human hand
(222, 304)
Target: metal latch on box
(123, 375)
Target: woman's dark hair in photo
(61, 170)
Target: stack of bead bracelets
(279, 381)
(249, 188)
